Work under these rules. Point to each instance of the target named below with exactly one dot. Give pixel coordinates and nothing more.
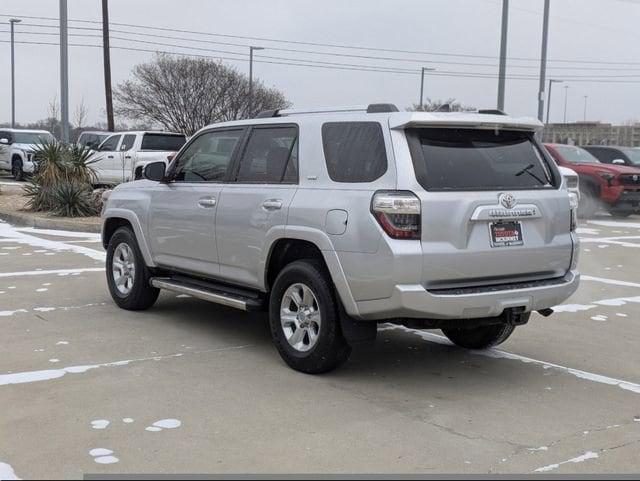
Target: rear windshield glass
(474, 159)
(163, 142)
(576, 155)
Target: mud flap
(357, 333)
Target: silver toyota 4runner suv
(336, 220)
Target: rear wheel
(17, 171)
(304, 319)
(482, 337)
(127, 275)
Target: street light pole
(13, 21)
(543, 61)
(502, 76)
(64, 71)
(586, 97)
(424, 69)
(551, 82)
(251, 50)
(566, 99)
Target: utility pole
(586, 97)
(64, 71)
(502, 77)
(106, 55)
(424, 69)
(543, 61)
(566, 100)
(13, 21)
(251, 50)
(551, 82)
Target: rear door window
(474, 159)
(127, 142)
(163, 142)
(354, 151)
(268, 154)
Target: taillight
(398, 213)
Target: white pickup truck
(123, 155)
(16, 150)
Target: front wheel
(304, 319)
(482, 337)
(127, 275)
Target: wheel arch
(116, 218)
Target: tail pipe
(545, 312)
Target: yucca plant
(72, 199)
(62, 180)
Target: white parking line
(53, 272)
(580, 459)
(51, 374)
(612, 282)
(497, 354)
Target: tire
(17, 171)
(588, 206)
(320, 345)
(136, 294)
(482, 337)
(621, 214)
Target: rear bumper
(414, 301)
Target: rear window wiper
(527, 170)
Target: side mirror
(155, 171)
(619, 162)
(4, 141)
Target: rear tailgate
(492, 212)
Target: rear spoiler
(471, 120)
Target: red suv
(615, 188)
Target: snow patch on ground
(580, 459)
(7, 473)
(164, 424)
(100, 424)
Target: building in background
(593, 133)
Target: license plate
(506, 234)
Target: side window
(6, 135)
(268, 154)
(127, 143)
(208, 157)
(354, 151)
(110, 144)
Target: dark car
(613, 187)
(608, 154)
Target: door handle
(109, 156)
(208, 202)
(272, 204)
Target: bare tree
(53, 110)
(450, 105)
(80, 114)
(184, 94)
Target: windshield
(576, 155)
(474, 159)
(32, 138)
(633, 154)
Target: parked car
(612, 187)
(92, 139)
(615, 155)
(16, 150)
(333, 222)
(122, 156)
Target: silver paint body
(230, 239)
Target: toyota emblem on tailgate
(508, 200)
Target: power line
(347, 67)
(317, 44)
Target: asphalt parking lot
(190, 387)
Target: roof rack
(370, 109)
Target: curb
(28, 220)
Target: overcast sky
(604, 32)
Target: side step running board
(206, 293)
